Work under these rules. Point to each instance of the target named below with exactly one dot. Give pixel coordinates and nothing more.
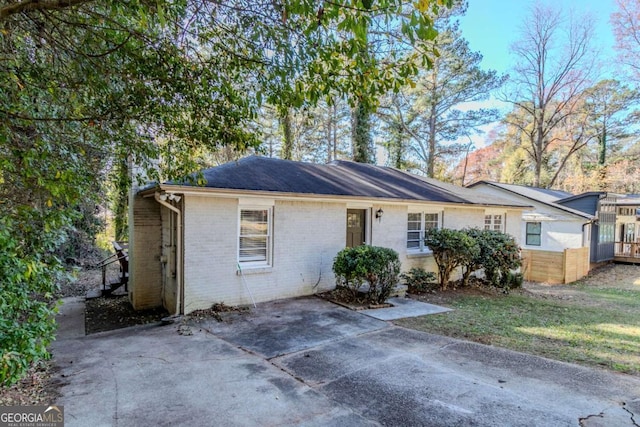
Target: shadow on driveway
(308, 362)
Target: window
(606, 232)
(254, 244)
(629, 232)
(626, 211)
(534, 231)
(417, 224)
(493, 222)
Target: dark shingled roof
(338, 178)
(543, 195)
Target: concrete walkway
(70, 318)
(312, 363)
(404, 307)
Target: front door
(356, 227)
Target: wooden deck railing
(627, 250)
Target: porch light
(379, 214)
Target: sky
(491, 26)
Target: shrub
(379, 267)
(29, 272)
(419, 280)
(511, 280)
(451, 249)
(499, 255)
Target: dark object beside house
(121, 256)
(602, 205)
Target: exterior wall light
(379, 214)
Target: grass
(596, 326)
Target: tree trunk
(329, 135)
(602, 148)
(287, 135)
(361, 134)
(121, 208)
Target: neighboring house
(627, 231)
(602, 206)
(263, 229)
(555, 239)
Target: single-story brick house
(555, 238)
(262, 229)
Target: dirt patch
(345, 299)
(445, 298)
(215, 312)
(618, 276)
(36, 388)
(115, 312)
(86, 275)
(104, 313)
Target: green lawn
(597, 327)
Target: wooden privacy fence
(555, 267)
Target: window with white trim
(494, 222)
(254, 237)
(417, 224)
(534, 234)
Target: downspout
(178, 249)
(590, 239)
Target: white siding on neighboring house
(557, 235)
(560, 229)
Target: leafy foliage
(451, 249)
(29, 271)
(426, 118)
(377, 266)
(499, 255)
(418, 280)
(89, 85)
(473, 249)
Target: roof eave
(231, 192)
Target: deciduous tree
(554, 62)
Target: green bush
(499, 255)
(29, 272)
(451, 249)
(377, 266)
(418, 280)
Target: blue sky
(491, 26)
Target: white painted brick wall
(306, 238)
(210, 239)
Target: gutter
(337, 198)
(158, 197)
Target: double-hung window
(534, 233)
(417, 224)
(494, 222)
(254, 241)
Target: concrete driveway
(308, 362)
